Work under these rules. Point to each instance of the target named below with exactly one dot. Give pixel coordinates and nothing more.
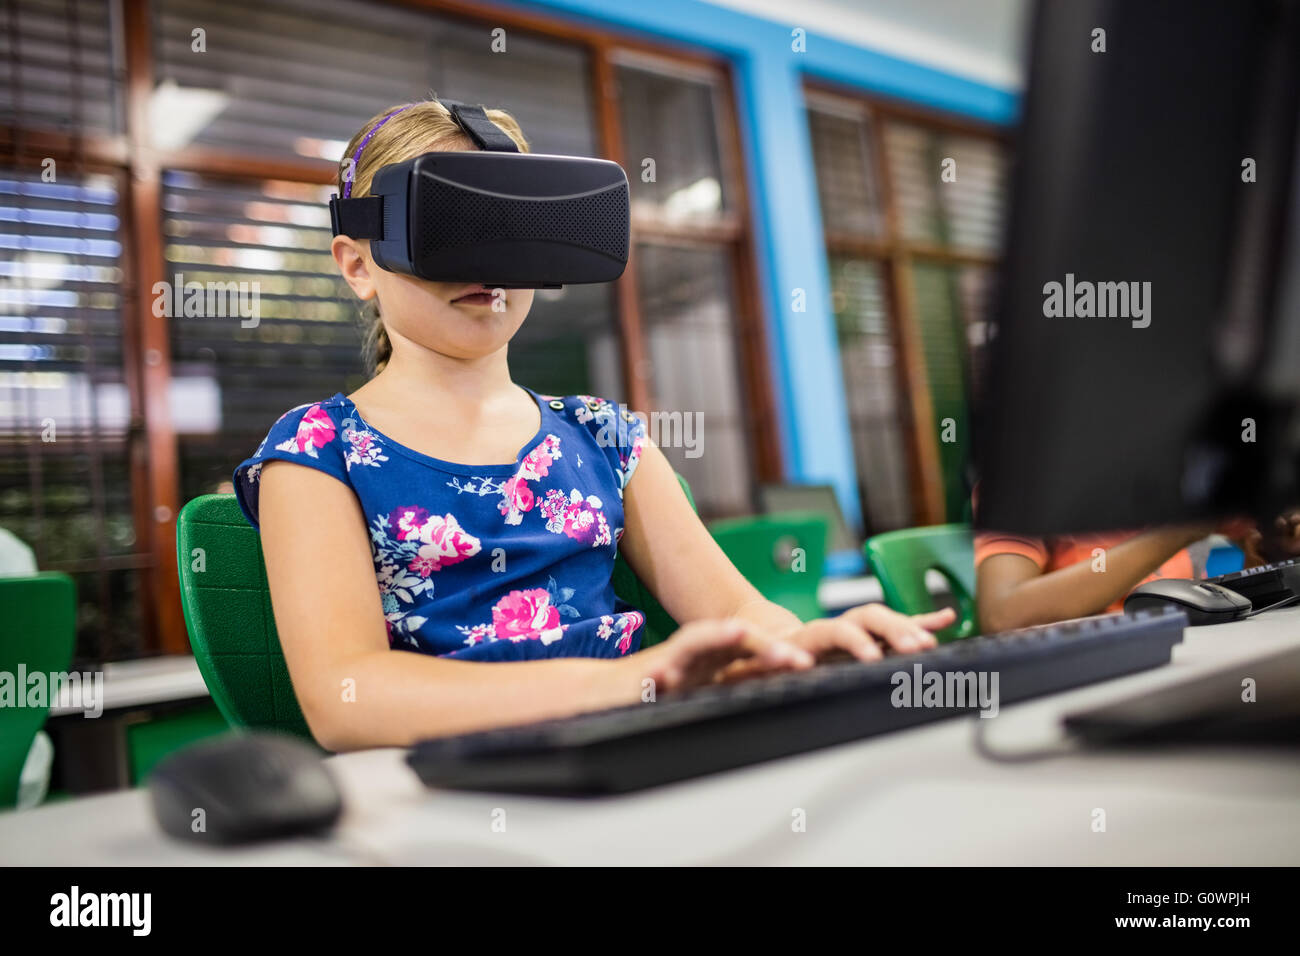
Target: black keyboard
(724, 726)
(1265, 585)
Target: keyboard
(720, 727)
(1265, 585)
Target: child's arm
(331, 627)
(1012, 591)
(674, 555)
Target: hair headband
(356, 156)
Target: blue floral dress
(483, 562)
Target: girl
(489, 516)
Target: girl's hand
(701, 652)
(863, 632)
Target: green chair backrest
(227, 606)
(764, 549)
(39, 633)
(900, 560)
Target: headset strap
(485, 133)
(361, 218)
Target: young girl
(445, 510)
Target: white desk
(920, 797)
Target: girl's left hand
(863, 632)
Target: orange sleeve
(989, 543)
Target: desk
(919, 797)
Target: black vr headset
(501, 217)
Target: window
(686, 233)
(299, 77)
(65, 413)
(912, 255)
(688, 310)
(59, 72)
(869, 360)
(233, 375)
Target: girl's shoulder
(615, 429)
(306, 434)
(308, 428)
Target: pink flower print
(407, 522)
(315, 430)
(627, 623)
(580, 518)
(630, 461)
(444, 542)
(631, 621)
(423, 566)
(537, 463)
(554, 505)
(516, 498)
(364, 449)
(527, 616)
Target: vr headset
(501, 217)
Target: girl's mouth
(475, 298)
(475, 295)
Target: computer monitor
(1145, 362)
(817, 498)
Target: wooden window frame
(896, 255)
(154, 447)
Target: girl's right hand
(697, 654)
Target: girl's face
(462, 320)
(458, 319)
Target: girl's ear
(355, 266)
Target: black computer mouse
(1204, 603)
(243, 787)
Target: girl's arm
(1012, 591)
(355, 692)
(674, 555)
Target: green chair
(900, 560)
(659, 625)
(227, 606)
(40, 633)
(766, 550)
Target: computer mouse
(244, 787)
(1204, 603)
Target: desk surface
(920, 797)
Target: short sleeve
(620, 433)
(989, 543)
(306, 435)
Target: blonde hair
(406, 132)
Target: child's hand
(701, 652)
(1263, 546)
(860, 633)
(866, 631)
